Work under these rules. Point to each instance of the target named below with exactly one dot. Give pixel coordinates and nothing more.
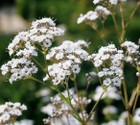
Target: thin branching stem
(132, 13)
(94, 107)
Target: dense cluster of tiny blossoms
(108, 62)
(132, 54)
(112, 2)
(23, 47)
(42, 32)
(100, 12)
(68, 56)
(9, 111)
(19, 68)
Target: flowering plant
(63, 63)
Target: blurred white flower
(110, 93)
(136, 117)
(110, 110)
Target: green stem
(123, 100)
(80, 106)
(132, 14)
(101, 36)
(136, 97)
(123, 23)
(115, 22)
(37, 80)
(125, 94)
(42, 68)
(127, 105)
(94, 107)
(101, 81)
(75, 84)
(76, 115)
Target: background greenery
(65, 13)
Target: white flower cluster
(111, 93)
(59, 111)
(69, 56)
(9, 111)
(132, 53)
(41, 32)
(108, 61)
(23, 46)
(19, 68)
(113, 2)
(100, 12)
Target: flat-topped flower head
(42, 32)
(108, 60)
(69, 55)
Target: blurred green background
(16, 15)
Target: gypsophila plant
(63, 64)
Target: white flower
(59, 55)
(48, 109)
(19, 68)
(115, 2)
(130, 46)
(48, 21)
(19, 39)
(76, 69)
(23, 107)
(110, 110)
(102, 11)
(46, 77)
(108, 60)
(98, 63)
(110, 93)
(5, 117)
(137, 74)
(96, 1)
(136, 117)
(89, 16)
(107, 82)
(101, 74)
(47, 43)
(69, 56)
(116, 81)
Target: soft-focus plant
(61, 65)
